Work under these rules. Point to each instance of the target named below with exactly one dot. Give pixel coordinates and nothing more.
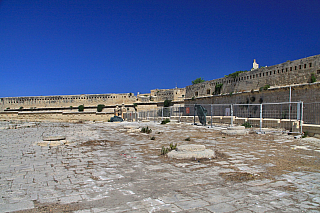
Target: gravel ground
(113, 167)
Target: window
(260, 74)
(310, 64)
(278, 71)
(196, 93)
(270, 72)
(290, 68)
(266, 73)
(318, 71)
(299, 67)
(305, 65)
(286, 69)
(257, 76)
(282, 70)
(274, 72)
(250, 76)
(208, 91)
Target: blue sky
(61, 47)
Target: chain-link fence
(287, 116)
(311, 113)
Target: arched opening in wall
(305, 65)
(299, 67)
(290, 68)
(270, 72)
(196, 94)
(274, 72)
(278, 71)
(295, 67)
(286, 69)
(310, 64)
(208, 91)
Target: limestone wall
(290, 72)
(65, 101)
(176, 94)
(57, 116)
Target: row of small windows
(59, 98)
(263, 74)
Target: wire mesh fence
(311, 113)
(287, 115)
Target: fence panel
(311, 113)
(285, 116)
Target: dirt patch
(239, 176)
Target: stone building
(287, 73)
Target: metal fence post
(211, 115)
(260, 117)
(301, 117)
(179, 112)
(162, 114)
(231, 108)
(194, 114)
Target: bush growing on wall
(100, 107)
(313, 78)
(197, 81)
(217, 89)
(81, 108)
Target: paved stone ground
(108, 168)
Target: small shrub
(173, 147)
(197, 81)
(167, 103)
(21, 108)
(305, 134)
(152, 138)
(71, 107)
(261, 100)
(313, 78)
(164, 150)
(252, 98)
(146, 130)
(246, 125)
(100, 107)
(230, 94)
(165, 121)
(266, 87)
(81, 108)
(260, 89)
(187, 139)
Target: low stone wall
(57, 116)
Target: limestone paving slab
(105, 170)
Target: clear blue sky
(61, 47)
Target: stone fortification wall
(65, 101)
(307, 93)
(290, 72)
(176, 94)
